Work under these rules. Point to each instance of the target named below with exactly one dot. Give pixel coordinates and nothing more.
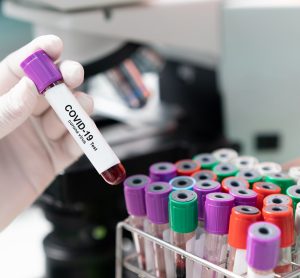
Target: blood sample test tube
(225, 155)
(245, 162)
(263, 247)
(162, 171)
(234, 183)
(134, 192)
(282, 180)
(206, 160)
(296, 255)
(157, 199)
(245, 197)
(224, 170)
(251, 176)
(182, 183)
(49, 82)
(202, 188)
(187, 167)
(294, 173)
(240, 220)
(278, 199)
(204, 175)
(294, 193)
(282, 216)
(264, 189)
(268, 168)
(217, 214)
(183, 215)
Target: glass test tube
(162, 171)
(245, 162)
(240, 220)
(157, 199)
(268, 168)
(182, 183)
(204, 175)
(206, 160)
(245, 197)
(264, 189)
(225, 155)
(224, 170)
(234, 183)
(283, 180)
(134, 192)
(187, 167)
(252, 176)
(183, 216)
(217, 214)
(282, 216)
(263, 245)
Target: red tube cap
(278, 199)
(234, 183)
(187, 167)
(240, 220)
(264, 189)
(281, 216)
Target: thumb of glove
(17, 105)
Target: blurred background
(170, 79)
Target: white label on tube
(240, 263)
(81, 127)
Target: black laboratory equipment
(83, 209)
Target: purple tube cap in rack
(218, 207)
(157, 200)
(263, 246)
(134, 192)
(162, 171)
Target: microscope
(210, 74)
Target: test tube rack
(129, 262)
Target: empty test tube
(245, 162)
(187, 167)
(245, 197)
(234, 183)
(240, 220)
(134, 192)
(252, 176)
(224, 170)
(217, 214)
(278, 199)
(281, 179)
(268, 168)
(206, 160)
(263, 246)
(282, 216)
(162, 171)
(157, 199)
(264, 189)
(225, 155)
(204, 175)
(182, 183)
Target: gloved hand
(34, 144)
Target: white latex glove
(34, 145)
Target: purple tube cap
(243, 196)
(162, 171)
(202, 188)
(218, 207)
(157, 200)
(41, 70)
(263, 246)
(134, 192)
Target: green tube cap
(224, 170)
(294, 193)
(183, 211)
(206, 160)
(282, 180)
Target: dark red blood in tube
(115, 174)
